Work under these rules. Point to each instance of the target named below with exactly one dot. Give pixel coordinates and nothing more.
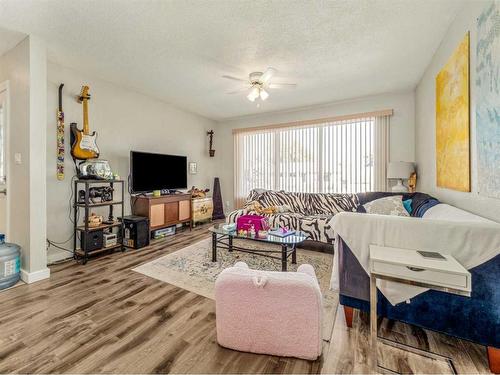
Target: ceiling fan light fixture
(264, 94)
(253, 94)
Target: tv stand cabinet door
(171, 212)
(184, 210)
(157, 215)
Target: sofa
(269, 312)
(310, 213)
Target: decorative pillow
(392, 205)
(407, 203)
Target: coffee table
(223, 239)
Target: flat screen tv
(150, 172)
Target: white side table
(409, 267)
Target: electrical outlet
(227, 204)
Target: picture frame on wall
(453, 121)
(193, 167)
(487, 99)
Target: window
(345, 155)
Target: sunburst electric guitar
(84, 144)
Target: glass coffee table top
(292, 239)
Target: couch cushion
(288, 219)
(318, 227)
(331, 203)
(234, 215)
(421, 202)
(444, 211)
(298, 202)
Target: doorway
(4, 126)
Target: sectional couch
(312, 213)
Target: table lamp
(399, 170)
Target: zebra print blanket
(310, 213)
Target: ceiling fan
(258, 84)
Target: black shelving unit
(84, 229)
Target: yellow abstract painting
(452, 121)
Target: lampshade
(400, 169)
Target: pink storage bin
(259, 222)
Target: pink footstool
(277, 313)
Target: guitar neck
(86, 129)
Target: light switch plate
(18, 158)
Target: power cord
(55, 243)
(133, 201)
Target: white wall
(37, 152)
(425, 112)
(124, 120)
(24, 67)
(402, 130)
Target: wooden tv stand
(163, 211)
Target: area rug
(191, 268)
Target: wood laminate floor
(102, 317)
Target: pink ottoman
(277, 313)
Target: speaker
(90, 241)
(136, 231)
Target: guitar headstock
(84, 94)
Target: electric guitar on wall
(84, 144)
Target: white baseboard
(33, 277)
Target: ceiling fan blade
(282, 85)
(239, 91)
(268, 74)
(235, 78)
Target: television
(150, 172)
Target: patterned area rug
(191, 268)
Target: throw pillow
(392, 205)
(407, 203)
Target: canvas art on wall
(488, 100)
(452, 121)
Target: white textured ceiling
(178, 50)
(9, 39)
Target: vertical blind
(345, 156)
